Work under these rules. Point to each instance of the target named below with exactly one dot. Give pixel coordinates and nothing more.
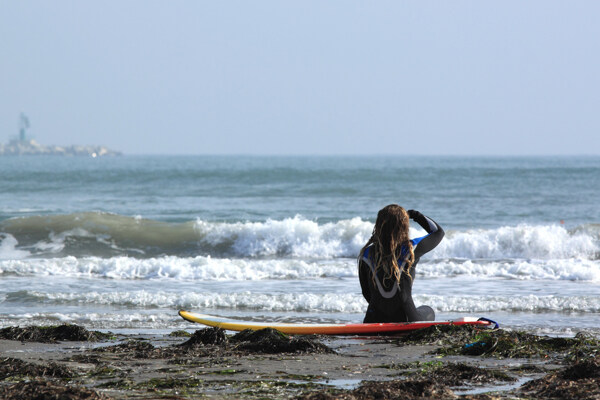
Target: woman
(386, 266)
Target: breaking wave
(349, 303)
(109, 235)
(198, 269)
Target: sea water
(123, 243)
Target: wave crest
(312, 302)
(199, 269)
(109, 235)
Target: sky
(304, 77)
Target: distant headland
(23, 145)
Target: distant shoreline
(31, 147)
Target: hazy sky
(304, 77)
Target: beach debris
(206, 336)
(171, 383)
(13, 367)
(517, 344)
(434, 383)
(406, 389)
(441, 334)
(180, 333)
(134, 348)
(51, 334)
(272, 341)
(457, 374)
(467, 340)
(480, 347)
(588, 368)
(581, 380)
(384, 390)
(43, 389)
(212, 342)
(269, 341)
(214, 362)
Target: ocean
(122, 243)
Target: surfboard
(329, 329)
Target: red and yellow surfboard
(329, 329)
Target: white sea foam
(138, 321)
(8, 248)
(296, 237)
(108, 235)
(196, 268)
(298, 302)
(317, 302)
(557, 269)
(532, 303)
(234, 269)
(520, 242)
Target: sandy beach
(453, 362)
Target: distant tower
(23, 126)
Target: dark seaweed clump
(468, 340)
(271, 341)
(180, 333)
(509, 344)
(129, 345)
(402, 390)
(13, 367)
(441, 334)
(434, 382)
(589, 368)
(204, 337)
(42, 389)
(457, 374)
(214, 342)
(384, 390)
(204, 342)
(578, 381)
(51, 334)
(131, 348)
(268, 341)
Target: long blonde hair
(390, 235)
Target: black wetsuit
(390, 301)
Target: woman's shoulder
(367, 250)
(416, 241)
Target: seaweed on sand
(204, 337)
(578, 381)
(408, 389)
(13, 367)
(204, 342)
(468, 340)
(435, 383)
(42, 389)
(516, 344)
(132, 348)
(386, 390)
(271, 341)
(214, 342)
(441, 334)
(457, 374)
(51, 334)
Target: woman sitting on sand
(386, 265)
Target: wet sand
(456, 363)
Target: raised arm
(434, 236)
